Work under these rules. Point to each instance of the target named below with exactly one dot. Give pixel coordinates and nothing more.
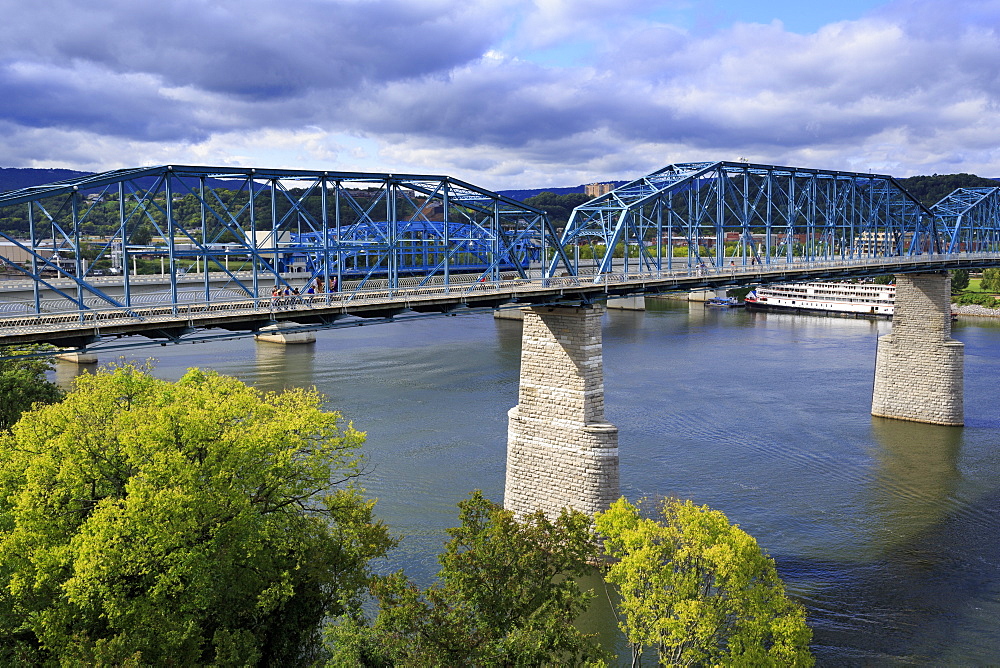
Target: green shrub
(977, 298)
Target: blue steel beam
(765, 213)
(100, 329)
(261, 218)
(419, 245)
(969, 218)
(375, 229)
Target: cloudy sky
(503, 93)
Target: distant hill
(15, 178)
(521, 195)
(928, 189)
(932, 189)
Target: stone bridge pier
(560, 450)
(919, 373)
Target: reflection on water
(916, 477)
(888, 531)
(883, 604)
(64, 373)
(279, 366)
(600, 617)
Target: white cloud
(444, 86)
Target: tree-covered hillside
(559, 207)
(931, 189)
(13, 178)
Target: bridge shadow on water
(938, 572)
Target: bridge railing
(509, 286)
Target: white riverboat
(857, 299)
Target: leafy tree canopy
(559, 207)
(505, 597)
(201, 522)
(700, 590)
(23, 384)
(991, 279)
(959, 280)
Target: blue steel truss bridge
(185, 253)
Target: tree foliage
(559, 207)
(23, 384)
(959, 280)
(505, 597)
(990, 280)
(201, 522)
(976, 298)
(700, 590)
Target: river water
(887, 531)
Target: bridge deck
(78, 329)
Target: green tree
(142, 235)
(991, 280)
(200, 522)
(700, 590)
(559, 207)
(959, 280)
(23, 383)
(505, 597)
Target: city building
(598, 189)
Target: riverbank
(975, 310)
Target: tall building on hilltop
(598, 189)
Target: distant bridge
(398, 246)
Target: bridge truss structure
(734, 212)
(969, 218)
(256, 229)
(195, 251)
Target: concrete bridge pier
(77, 358)
(704, 295)
(919, 373)
(631, 303)
(560, 450)
(279, 334)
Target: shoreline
(975, 311)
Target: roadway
(375, 301)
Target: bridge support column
(631, 303)
(706, 294)
(277, 334)
(560, 451)
(919, 373)
(508, 314)
(78, 358)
